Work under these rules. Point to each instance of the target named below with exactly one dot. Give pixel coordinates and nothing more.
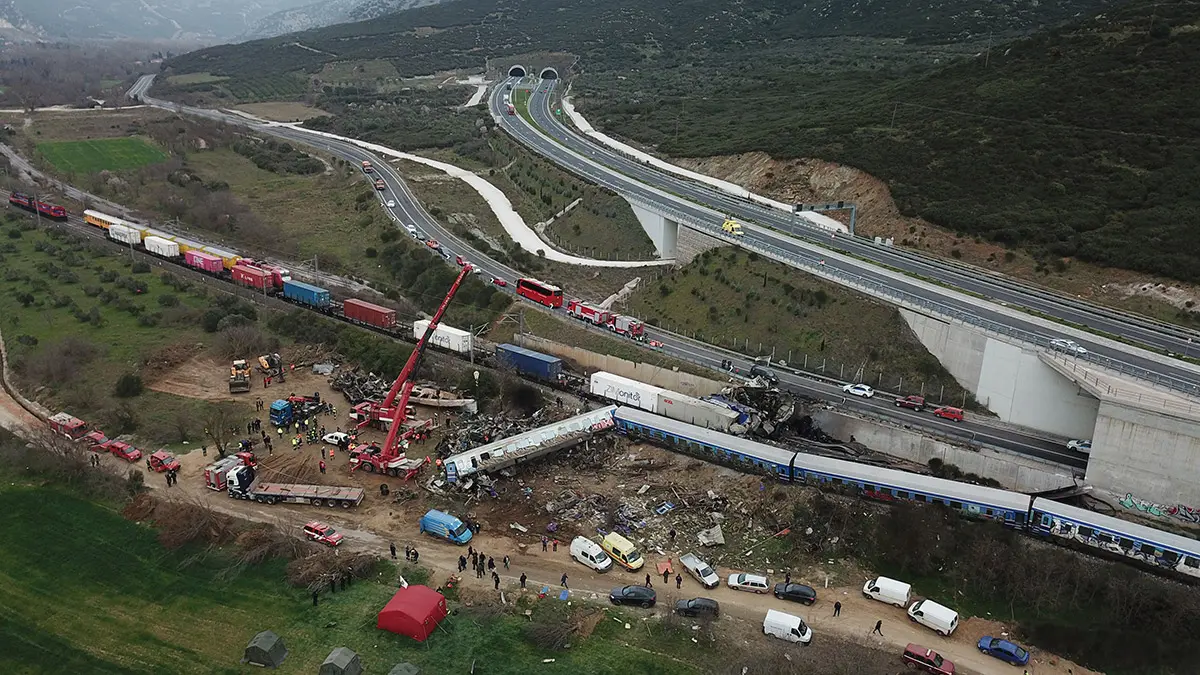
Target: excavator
(393, 412)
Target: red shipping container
(372, 315)
(204, 261)
(252, 277)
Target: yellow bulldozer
(239, 377)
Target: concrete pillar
(663, 231)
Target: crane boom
(404, 383)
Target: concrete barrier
(1014, 472)
(684, 383)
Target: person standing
(671, 535)
(666, 577)
(545, 542)
(415, 556)
(555, 546)
(322, 466)
(523, 578)
(393, 547)
(878, 629)
(837, 608)
(496, 580)
(648, 584)
(787, 578)
(678, 582)
(491, 565)
(462, 563)
(562, 581)
(204, 450)
(506, 562)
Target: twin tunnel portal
(522, 71)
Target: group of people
(172, 477)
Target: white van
(932, 615)
(888, 590)
(786, 627)
(588, 553)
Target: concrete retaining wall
(1013, 472)
(684, 383)
(1010, 380)
(692, 243)
(1152, 455)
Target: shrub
(128, 386)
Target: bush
(128, 386)
(371, 252)
(168, 300)
(141, 267)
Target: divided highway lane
(584, 158)
(408, 210)
(958, 275)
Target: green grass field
(112, 154)
(85, 591)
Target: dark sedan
(698, 607)
(796, 593)
(633, 595)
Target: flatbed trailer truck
(242, 486)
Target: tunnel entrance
(517, 71)
(549, 74)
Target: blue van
(445, 526)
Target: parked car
(859, 390)
(433, 244)
(755, 583)
(497, 281)
(391, 203)
(950, 413)
(800, 593)
(1084, 446)
(916, 656)
(914, 402)
(1004, 650)
(124, 450)
(655, 345)
(320, 532)
(1068, 346)
(698, 607)
(633, 595)
(765, 373)
(700, 570)
(336, 438)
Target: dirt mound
(167, 358)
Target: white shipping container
(626, 391)
(445, 337)
(160, 246)
(694, 411)
(124, 234)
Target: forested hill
(1082, 141)
(618, 33)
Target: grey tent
(404, 669)
(341, 661)
(266, 649)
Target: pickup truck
(701, 570)
(915, 402)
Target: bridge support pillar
(663, 231)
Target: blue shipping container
(529, 362)
(306, 294)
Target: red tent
(414, 611)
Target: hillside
(1078, 142)
(207, 21)
(618, 33)
(327, 13)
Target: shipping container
(445, 337)
(372, 315)
(529, 362)
(203, 261)
(228, 258)
(626, 391)
(124, 234)
(252, 277)
(690, 410)
(306, 294)
(161, 247)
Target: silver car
(1068, 346)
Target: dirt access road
(398, 525)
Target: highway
(701, 203)
(409, 211)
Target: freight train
(46, 210)
(1036, 516)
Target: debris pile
(358, 386)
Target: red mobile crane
(390, 458)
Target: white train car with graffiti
(1037, 516)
